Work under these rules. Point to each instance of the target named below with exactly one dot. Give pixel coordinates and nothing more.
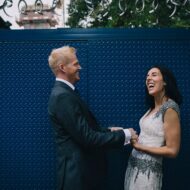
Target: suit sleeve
(74, 121)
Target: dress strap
(169, 104)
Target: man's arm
(71, 117)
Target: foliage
(112, 16)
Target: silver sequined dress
(144, 171)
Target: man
(80, 141)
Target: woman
(160, 132)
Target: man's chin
(77, 79)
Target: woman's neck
(159, 101)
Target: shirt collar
(66, 82)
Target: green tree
(129, 14)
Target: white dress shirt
(66, 82)
(127, 136)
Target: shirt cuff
(127, 136)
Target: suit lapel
(91, 119)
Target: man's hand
(132, 131)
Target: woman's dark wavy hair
(171, 88)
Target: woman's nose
(148, 77)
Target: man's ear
(62, 67)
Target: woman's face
(154, 82)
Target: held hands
(134, 136)
(134, 141)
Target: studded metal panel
(27, 154)
(112, 83)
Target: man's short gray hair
(58, 56)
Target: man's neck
(66, 82)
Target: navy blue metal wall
(115, 62)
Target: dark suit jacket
(80, 141)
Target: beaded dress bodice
(152, 130)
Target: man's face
(72, 69)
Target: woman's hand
(134, 139)
(135, 144)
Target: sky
(13, 11)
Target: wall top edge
(95, 33)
